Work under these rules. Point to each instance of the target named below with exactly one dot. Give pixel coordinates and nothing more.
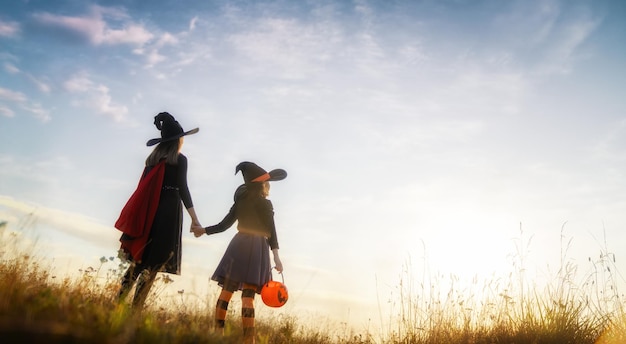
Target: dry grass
(569, 309)
(36, 306)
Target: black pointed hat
(253, 173)
(170, 129)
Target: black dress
(164, 250)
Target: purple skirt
(246, 260)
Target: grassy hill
(38, 307)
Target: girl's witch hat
(252, 173)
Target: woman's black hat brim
(153, 142)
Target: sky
(421, 138)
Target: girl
(153, 217)
(246, 265)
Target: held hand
(194, 224)
(198, 231)
(194, 218)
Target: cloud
(9, 29)
(550, 35)
(166, 39)
(158, 51)
(6, 112)
(79, 83)
(153, 57)
(285, 47)
(22, 101)
(112, 26)
(192, 23)
(41, 114)
(134, 34)
(33, 171)
(74, 224)
(42, 86)
(11, 69)
(95, 96)
(95, 28)
(570, 38)
(13, 96)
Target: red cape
(138, 214)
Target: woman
(246, 265)
(153, 217)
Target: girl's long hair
(168, 150)
(254, 190)
(249, 192)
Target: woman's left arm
(194, 218)
(185, 195)
(183, 189)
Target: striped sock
(221, 308)
(247, 312)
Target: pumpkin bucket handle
(282, 277)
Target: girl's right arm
(277, 263)
(226, 223)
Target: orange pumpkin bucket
(274, 293)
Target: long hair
(165, 150)
(254, 190)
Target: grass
(36, 306)
(569, 309)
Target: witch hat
(170, 129)
(253, 173)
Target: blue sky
(422, 131)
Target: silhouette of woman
(152, 219)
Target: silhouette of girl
(246, 265)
